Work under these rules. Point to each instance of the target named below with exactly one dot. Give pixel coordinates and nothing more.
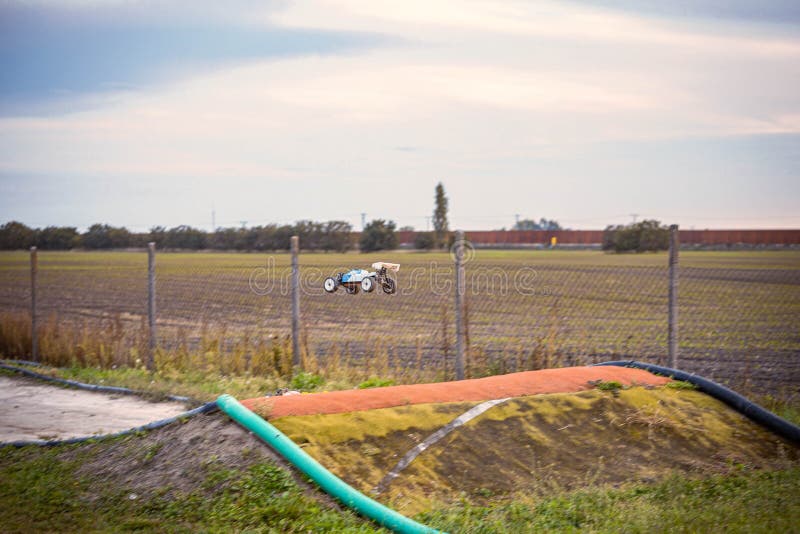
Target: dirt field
(738, 311)
(35, 411)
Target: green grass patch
(41, 491)
(376, 382)
(759, 501)
(680, 384)
(611, 385)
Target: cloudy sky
(156, 113)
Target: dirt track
(562, 380)
(32, 411)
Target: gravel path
(32, 411)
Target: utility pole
(516, 217)
(363, 221)
(634, 215)
(213, 219)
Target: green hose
(329, 482)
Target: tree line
(337, 236)
(327, 236)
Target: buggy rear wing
(378, 265)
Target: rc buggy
(366, 280)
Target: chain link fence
(738, 313)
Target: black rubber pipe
(760, 415)
(81, 385)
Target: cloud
(517, 95)
(52, 56)
(772, 11)
(543, 19)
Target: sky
(145, 113)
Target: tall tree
(440, 226)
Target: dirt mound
(562, 380)
(535, 443)
(180, 458)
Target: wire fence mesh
(738, 312)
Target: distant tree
(158, 235)
(440, 225)
(424, 241)
(15, 235)
(57, 238)
(261, 237)
(543, 224)
(378, 235)
(228, 239)
(644, 236)
(336, 236)
(185, 237)
(310, 234)
(283, 237)
(406, 229)
(139, 239)
(102, 236)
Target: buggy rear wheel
(389, 286)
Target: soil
(537, 444)
(177, 457)
(563, 380)
(35, 411)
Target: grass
(765, 501)
(43, 491)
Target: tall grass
(114, 343)
(209, 355)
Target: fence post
(672, 332)
(151, 305)
(295, 302)
(34, 331)
(460, 292)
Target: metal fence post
(151, 305)
(34, 331)
(672, 335)
(295, 302)
(460, 292)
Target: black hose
(24, 362)
(88, 387)
(760, 415)
(205, 408)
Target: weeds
(612, 385)
(680, 384)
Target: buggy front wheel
(367, 285)
(330, 285)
